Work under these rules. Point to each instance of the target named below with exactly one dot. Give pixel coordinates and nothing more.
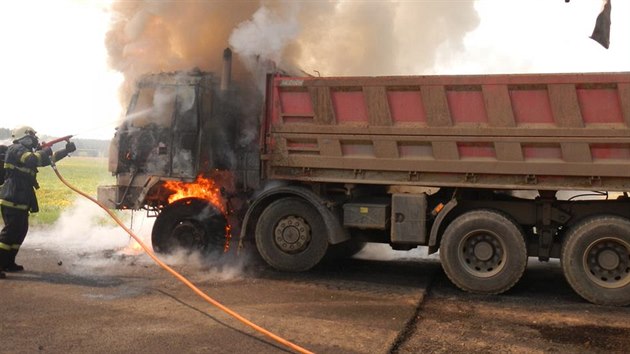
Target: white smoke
(216, 266)
(86, 239)
(383, 252)
(265, 36)
(354, 37)
(79, 229)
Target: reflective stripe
(39, 157)
(9, 166)
(4, 246)
(15, 246)
(25, 156)
(13, 205)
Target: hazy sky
(54, 68)
(56, 78)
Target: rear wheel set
(595, 259)
(483, 251)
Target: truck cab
(181, 128)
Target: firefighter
(17, 197)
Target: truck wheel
(595, 259)
(483, 251)
(191, 224)
(291, 235)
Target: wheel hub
(482, 253)
(188, 233)
(608, 259)
(292, 234)
(608, 262)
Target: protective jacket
(18, 190)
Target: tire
(483, 251)
(191, 224)
(595, 259)
(291, 235)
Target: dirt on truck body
(475, 166)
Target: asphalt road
(541, 314)
(109, 301)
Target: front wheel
(596, 260)
(291, 235)
(483, 251)
(191, 224)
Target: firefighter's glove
(70, 147)
(47, 151)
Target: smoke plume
(327, 37)
(83, 236)
(85, 240)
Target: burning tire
(596, 260)
(191, 224)
(291, 235)
(483, 251)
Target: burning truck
(444, 162)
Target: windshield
(157, 105)
(159, 134)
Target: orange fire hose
(180, 277)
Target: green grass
(85, 173)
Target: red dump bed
(547, 131)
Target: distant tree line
(92, 147)
(5, 133)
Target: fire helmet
(20, 132)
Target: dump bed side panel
(548, 131)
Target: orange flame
(203, 188)
(132, 248)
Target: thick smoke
(327, 37)
(160, 36)
(84, 236)
(343, 38)
(96, 243)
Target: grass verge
(85, 173)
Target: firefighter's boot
(4, 259)
(11, 266)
